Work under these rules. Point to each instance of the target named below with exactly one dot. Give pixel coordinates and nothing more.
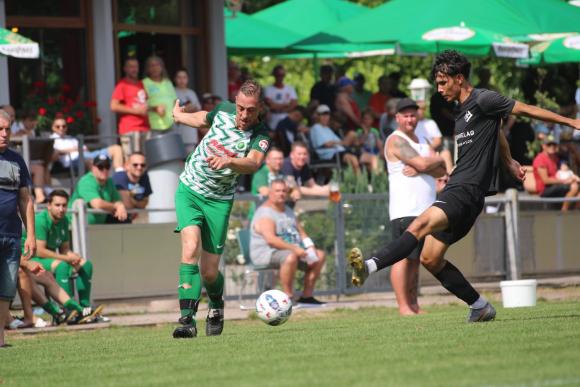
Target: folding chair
(264, 283)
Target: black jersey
(477, 125)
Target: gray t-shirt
(286, 228)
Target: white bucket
(515, 294)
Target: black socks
(452, 280)
(395, 251)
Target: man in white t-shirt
(280, 98)
(427, 129)
(413, 167)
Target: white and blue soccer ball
(274, 307)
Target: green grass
(370, 347)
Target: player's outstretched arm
(522, 109)
(246, 165)
(514, 167)
(195, 120)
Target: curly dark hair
(451, 62)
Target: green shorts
(211, 215)
(46, 263)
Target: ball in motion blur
(274, 307)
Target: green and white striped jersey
(222, 139)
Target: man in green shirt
(235, 144)
(54, 254)
(97, 189)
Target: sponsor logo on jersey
(219, 150)
(263, 144)
(468, 116)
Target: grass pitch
(370, 347)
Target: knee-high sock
(395, 251)
(62, 274)
(215, 291)
(73, 305)
(189, 295)
(452, 280)
(84, 279)
(51, 308)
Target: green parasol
(15, 45)
(562, 50)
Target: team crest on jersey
(263, 144)
(468, 116)
(241, 146)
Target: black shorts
(556, 191)
(399, 226)
(462, 204)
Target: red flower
(39, 84)
(90, 104)
(65, 109)
(58, 115)
(62, 98)
(70, 120)
(80, 114)
(69, 102)
(42, 111)
(50, 100)
(66, 88)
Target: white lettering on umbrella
(453, 34)
(572, 42)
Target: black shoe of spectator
(310, 301)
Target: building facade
(83, 44)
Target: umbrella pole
(315, 66)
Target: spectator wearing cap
(280, 98)
(67, 150)
(327, 144)
(133, 183)
(545, 169)
(98, 191)
(324, 91)
(346, 105)
(360, 94)
(291, 129)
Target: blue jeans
(10, 250)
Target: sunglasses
(135, 165)
(103, 167)
(60, 126)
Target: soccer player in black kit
(482, 146)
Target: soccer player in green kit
(235, 144)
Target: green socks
(51, 308)
(83, 282)
(215, 292)
(73, 305)
(62, 275)
(189, 295)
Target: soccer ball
(274, 307)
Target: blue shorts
(10, 250)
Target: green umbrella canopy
(562, 50)
(398, 19)
(470, 41)
(248, 36)
(308, 17)
(549, 16)
(18, 46)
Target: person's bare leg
(116, 154)
(25, 290)
(287, 274)
(353, 162)
(47, 280)
(312, 274)
(4, 315)
(401, 286)
(570, 194)
(413, 281)
(38, 181)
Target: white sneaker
(40, 323)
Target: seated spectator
(545, 170)
(324, 91)
(346, 105)
(97, 189)
(360, 95)
(296, 168)
(291, 129)
(387, 121)
(187, 99)
(327, 144)
(565, 173)
(30, 275)
(67, 150)
(278, 241)
(370, 140)
(54, 254)
(26, 126)
(133, 183)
